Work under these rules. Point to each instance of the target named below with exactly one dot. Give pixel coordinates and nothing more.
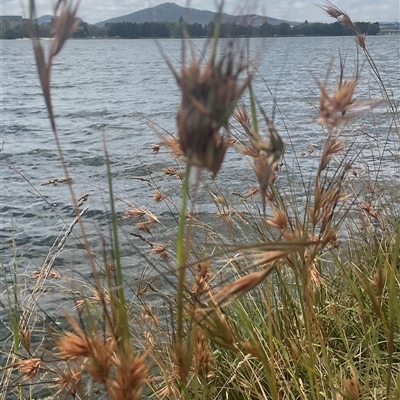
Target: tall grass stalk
(183, 352)
(123, 317)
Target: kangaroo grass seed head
(241, 116)
(99, 363)
(332, 146)
(251, 192)
(266, 156)
(174, 172)
(130, 375)
(72, 346)
(332, 108)
(369, 209)
(332, 10)
(149, 316)
(219, 199)
(145, 226)
(29, 368)
(69, 380)
(25, 337)
(173, 145)
(158, 196)
(203, 269)
(209, 94)
(135, 212)
(203, 357)
(339, 15)
(150, 217)
(345, 20)
(155, 148)
(360, 40)
(279, 220)
(160, 249)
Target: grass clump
(273, 298)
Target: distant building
(10, 22)
(390, 28)
(11, 18)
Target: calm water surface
(117, 87)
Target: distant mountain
(171, 12)
(44, 19)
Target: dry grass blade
(65, 24)
(265, 260)
(243, 285)
(266, 164)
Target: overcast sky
(298, 10)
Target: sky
(93, 11)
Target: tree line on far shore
(133, 30)
(173, 30)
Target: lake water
(117, 87)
